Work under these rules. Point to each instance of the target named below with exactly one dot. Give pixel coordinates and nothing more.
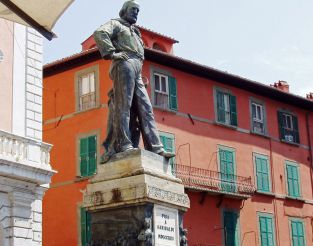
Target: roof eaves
(186, 66)
(157, 33)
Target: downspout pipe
(310, 145)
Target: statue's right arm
(103, 37)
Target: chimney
(281, 85)
(310, 96)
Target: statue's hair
(125, 6)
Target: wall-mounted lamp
(1, 56)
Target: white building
(25, 172)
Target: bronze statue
(131, 111)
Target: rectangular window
(85, 227)
(226, 108)
(297, 232)
(262, 173)
(227, 169)
(231, 234)
(293, 180)
(87, 91)
(288, 127)
(165, 91)
(258, 118)
(88, 156)
(168, 141)
(266, 226)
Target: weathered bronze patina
(131, 111)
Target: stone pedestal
(135, 200)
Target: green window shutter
(231, 229)
(290, 180)
(281, 125)
(168, 145)
(270, 233)
(226, 162)
(265, 175)
(83, 226)
(297, 233)
(88, 227)
(296, 183)
(295, 129)
(220, 107)
(262, 174)
(266, 231)
(259, 177)
(83, 157)
(92, 154)
(233, 110)
(227, 170)
(293, 181)
(173, 93)
(163, 141)
(300, 233)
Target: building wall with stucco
(25, 170)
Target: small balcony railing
(213, 181)
(14, 148)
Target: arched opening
(157, 46)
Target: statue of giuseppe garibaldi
(130, 109)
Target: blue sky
(265, 41)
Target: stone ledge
(20, 171)
(133, 178)
(134, 163)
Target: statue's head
(129, 11)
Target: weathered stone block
(132, 191)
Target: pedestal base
(135, 200)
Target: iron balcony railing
(213, 181)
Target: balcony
(214, 182)
(24, 158)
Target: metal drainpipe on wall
(310, 146)
(274, 190)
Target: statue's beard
(131, 19)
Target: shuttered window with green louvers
(266, 230)
(168, 141)
(173, 105)
(88, 156)
(297, 232)
(226, 108)
(85, 227)
(165, 92)
(262, 173)
(231, 225)
(293, 180)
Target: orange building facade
(243, 149)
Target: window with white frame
(161, 95)
(165, 91)
(87, 91)
(258, 118)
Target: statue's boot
(165, 154)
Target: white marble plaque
(166, 227)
